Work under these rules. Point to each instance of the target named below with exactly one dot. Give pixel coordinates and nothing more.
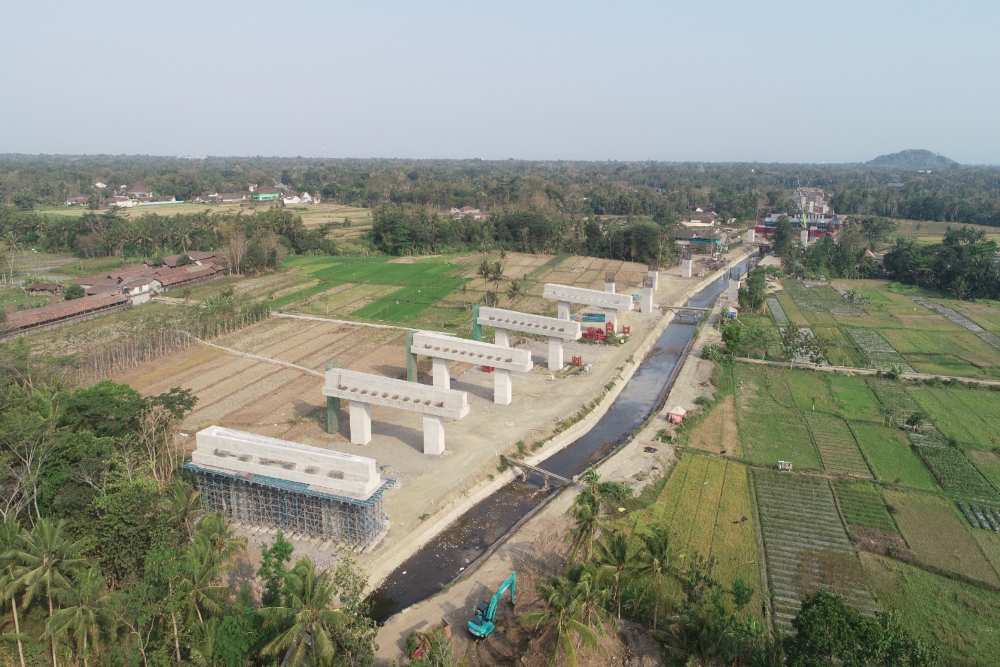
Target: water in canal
(442, 559)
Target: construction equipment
(483, 623)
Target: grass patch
(960, 618)
(968, 416)
(853, 398)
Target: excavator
(482, 624)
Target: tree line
(107, 556)
(400, 229)
(661, 190)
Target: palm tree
(614, 557)
(10, 536)
(183, 504)
(199, 574)
(654, 562)
(218, 536)
(43, 561)
(586, 521)
(570, 615)
(308, 621)
(85, 619)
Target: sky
(768, 81)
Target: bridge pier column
(361, 423)
(555, 354)
(501, 337)
(563, 310)
(502, 391)
(433, 435)
(442, 376)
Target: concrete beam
(320, 469)
(511, 320)
(588, 297)
(371, 389)
(440, 346)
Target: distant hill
(913, 159)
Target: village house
(60, 312)
(467, 212)
(78, 200)
(44, 288)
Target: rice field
(890, 456)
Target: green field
(960, 618)
(419, 287)
(890, 456)
(970, 417)
(862, 505)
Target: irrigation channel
(445, 557)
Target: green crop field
(420, 286)
(853, 398)
(939, 536)
(955, 474)
(960, 618)
(836, 444)
(988, 464)
(970, 417)
(706, 506)
(771, 427)
(890, 456)
(862, 505)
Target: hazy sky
(694, 80)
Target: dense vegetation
(963, 265)
(107, 558)
(662, 191)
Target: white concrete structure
(321, 469)
(364, 390)
(500, 356)
(804, 237)
(654, 276)
(609, 282)
(557, 330)
(687, 267)
(611, 303)
(751, 236)
(646, 296)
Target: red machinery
(576, 360)
(595, 335)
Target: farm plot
(717, 432)
(956, 352)
(805, 544)
(890, 456)
(853, 398)
(791, 310)
(777, 312)
(706, 506)
(819, 299)
(959, 617)
(961, 320)
(837, 348)
(968, 416)
(836, 445)
(988, 464)
(877, 350)
(937, 535)
(955, 474)
(770, 426)
(862, 505)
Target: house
(264, 194)
(121, 201)
(100, 186)
(701, 219)
(140, 289)
(291, 200)
(702, 238)
(140, 191)
(224, 198)
(172, 278)
(676, 414)
(79, 200)
(467, 212)
(61, 312)
(199, 257)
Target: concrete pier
(502, 387)
(646, 300)
(687, 267)
(555, 354)
(361, 423)
(440, 373)
(433, 435)
(562, 310)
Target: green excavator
(482, 624)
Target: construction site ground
(278, 401)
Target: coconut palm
(570, 616)
(44, 561)
(654, 562)
(10, 536)
(183, 504)
(84, 618)
(309, 624)
(218, 536)
(198, 583)
(614, 558)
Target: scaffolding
(257, 500)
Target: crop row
(820, 298)
(862, 505)
(981, 516)
(955, 473)
(777, 312)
